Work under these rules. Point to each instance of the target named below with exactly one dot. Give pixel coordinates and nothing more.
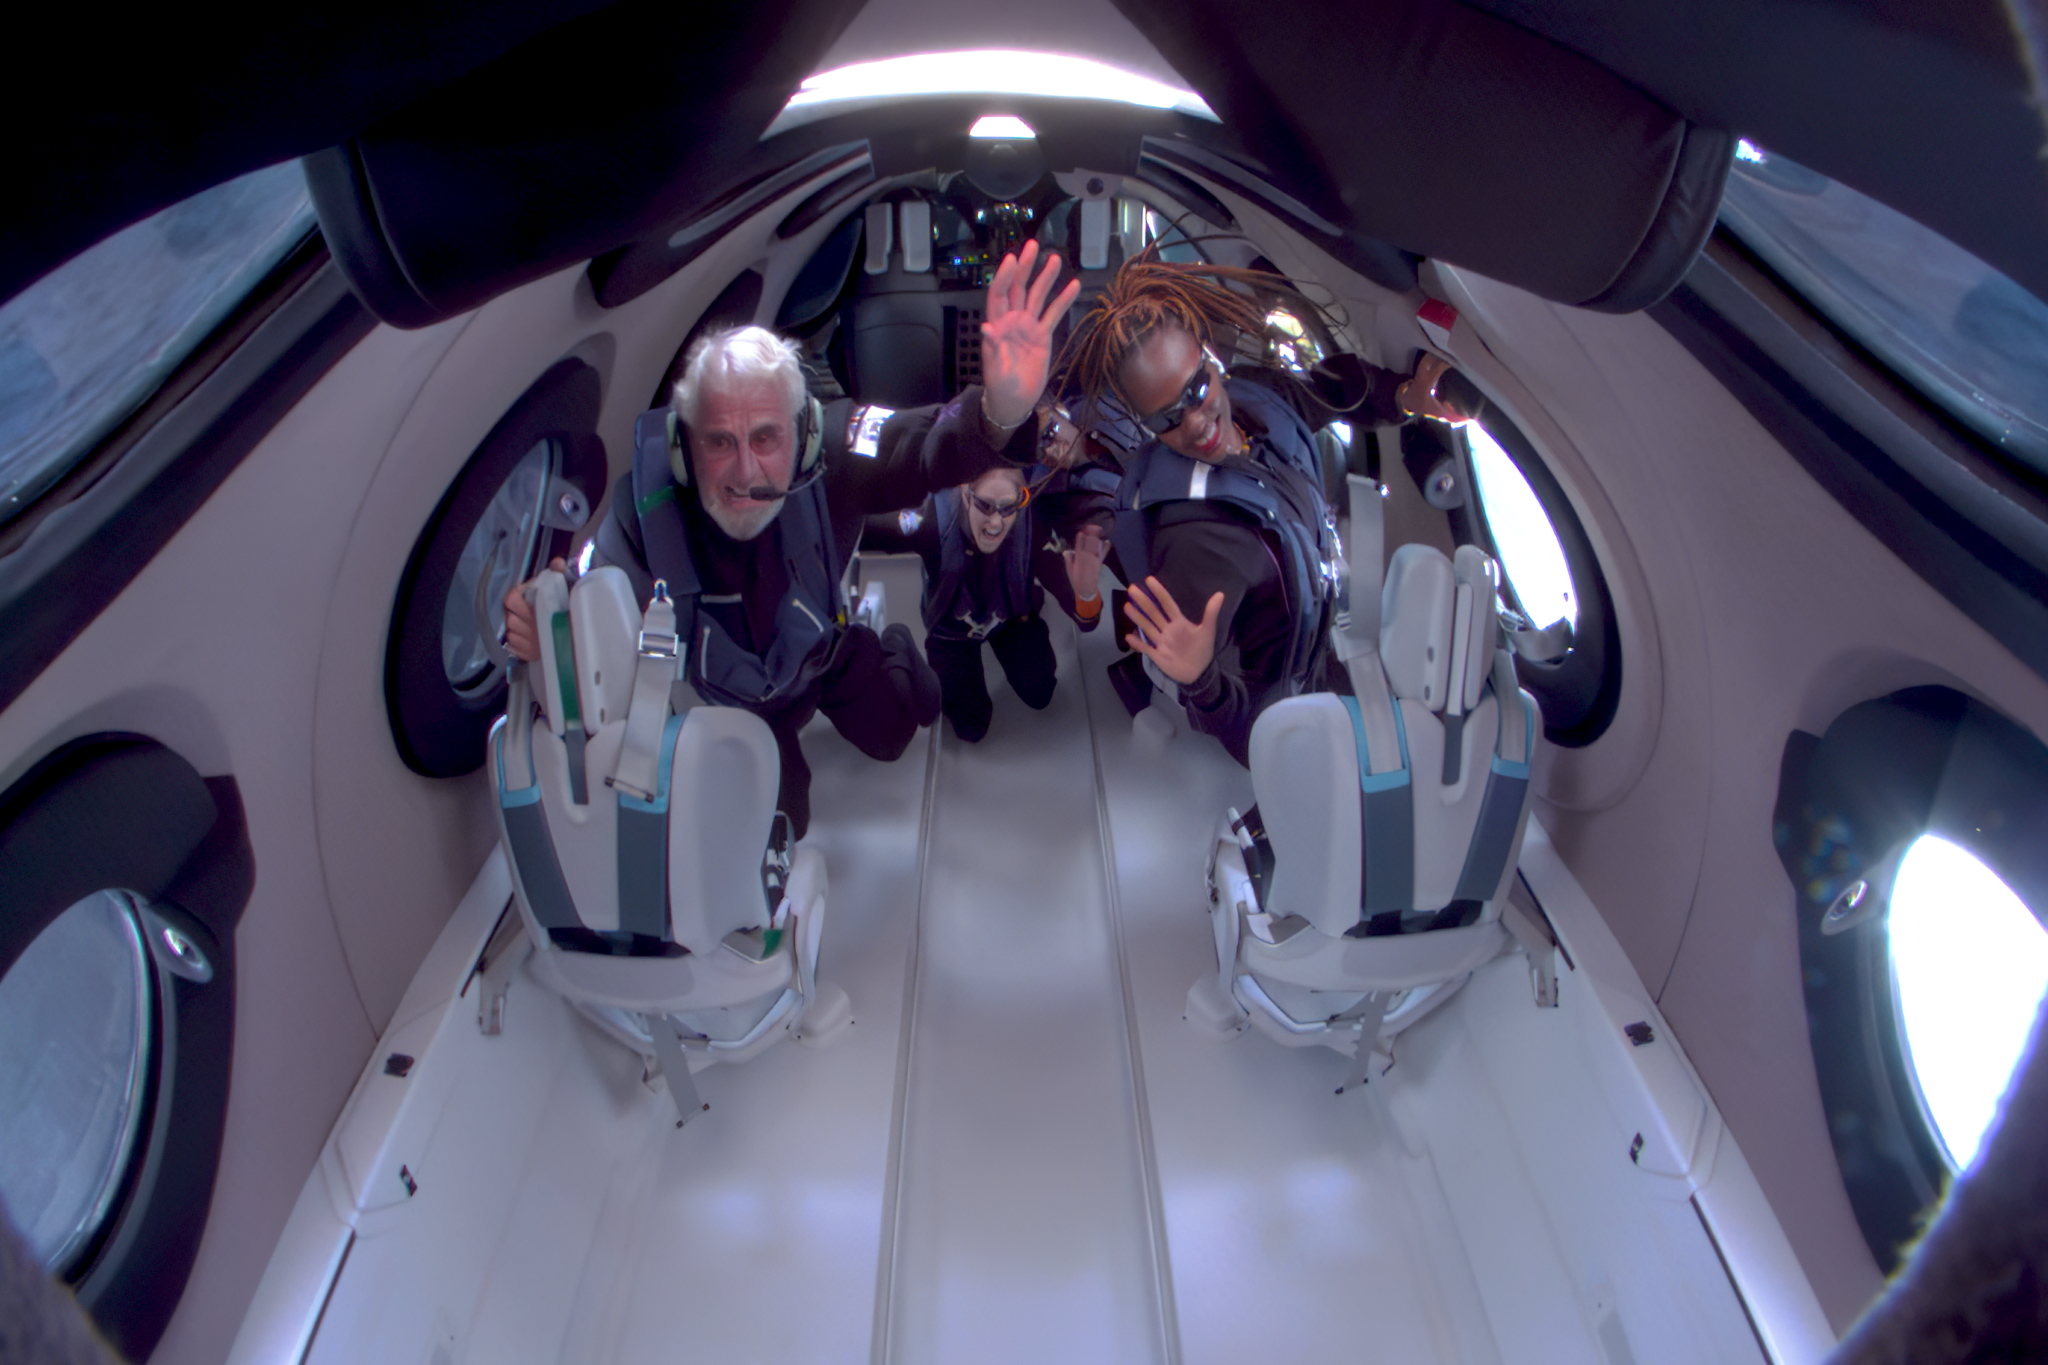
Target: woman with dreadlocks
(1220, 518)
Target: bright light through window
(1969, 963)
(1000, 126)
(982, 73)
(1531, 559)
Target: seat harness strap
(642, 776)
(660, 664)
(1386, 815)
(1507, 786)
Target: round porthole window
(499, 552)
(1969, 965)
(1520, 515)
(77, 1046)
(513, 507)
(1534, 576)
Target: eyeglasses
(1053, 429)
(1193, 396)
(1005, 510)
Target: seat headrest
(1475, 570)
(1417, 612)
(605, 622)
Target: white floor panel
(1288, 1222)
(1020, 1152)
(1024, 1229)
(758, 1235)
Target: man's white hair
(736, 354)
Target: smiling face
(1156, 374)
(744, 439)
(1000, 489)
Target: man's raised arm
(922, 450)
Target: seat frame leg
(1370, 1013)
(675, 1068)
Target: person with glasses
(988, 564)
(1221, 515)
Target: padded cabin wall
(1771, 608)
(254, 645)
(215, 650)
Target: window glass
(498, 553)
(1289, 343)
(1963, 333)
(1534, 578)
(1174, 244)
(84, 346)
(76, 1036)
(1969, 965)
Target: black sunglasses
(996, 509)
(1049, 431)
(1193, 396)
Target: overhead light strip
(1044, 74)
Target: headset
(810, 449)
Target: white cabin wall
(253, 645)
(1774, 609)
(215, 651)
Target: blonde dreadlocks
(1147, 294)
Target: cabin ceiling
(1574, 149)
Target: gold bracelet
(1004, 427)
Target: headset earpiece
(678, 450)
(810, 435)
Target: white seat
(678, 917)
(1372, 878)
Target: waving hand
(1016, 340)
(1180, 645)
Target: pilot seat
(654, 877)
(1369, 879)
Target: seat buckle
(629, 789)
(659, 644)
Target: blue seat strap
(1500, 812)
(643, 848)
(1386, 814)
(532, 852)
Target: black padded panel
(1541, 142)
(624, 274)
(1926, 105)
(114, 807)
(599, 132)
(138, 109)
(897, 338)
(1681, 227)
(1442, 129)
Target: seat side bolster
(1305, 770)
(721, 801)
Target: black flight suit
(1200, 547)
(971, 598)
(876, 691)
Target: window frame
(440, 730)
(126, 499)
(1581, 692)
(1902, 467)
(1925, 760)
(157, 829)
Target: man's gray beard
(742, 525)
